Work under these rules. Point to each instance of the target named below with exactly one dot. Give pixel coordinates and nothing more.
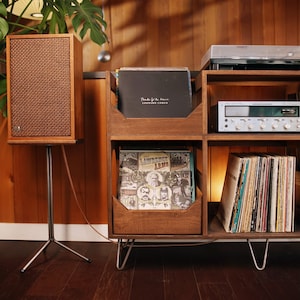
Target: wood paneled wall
(178, 32)
(142, 33)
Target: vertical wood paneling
(257, 36)
(143, 33)
(292, 20)
(6, 176)
(268, 22)
(181, 32)
(234, 24)
(210, 29)
(280, 22)
(95, 151)
(224, 25)
(164, 34)
(245, 10)
(67, 210)
(158, 29)
(198, 37)
(41, 184)
(25, 168)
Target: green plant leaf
(85, 16)
(3, 10)
(91, 18)
(2, 86)
(4, 28)
(53, 17)
(57, 24)
(2, 103)
(4, 110)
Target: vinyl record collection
(258, 193)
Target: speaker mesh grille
(40, 87)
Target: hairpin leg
(265, 255)
(124, 249)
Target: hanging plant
(86, 19)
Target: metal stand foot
(50, 216)
(265, 255)
(124, 249)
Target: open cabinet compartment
(220, 150)
(153, 222)
(121, 127)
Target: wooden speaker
(44, 89)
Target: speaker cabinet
(44, 89)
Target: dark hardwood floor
(212, 271)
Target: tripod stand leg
(71, 250)
(50, 215)
(44, 248)
(35, 256)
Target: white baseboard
(84, 233)
(62, 232)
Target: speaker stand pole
(50, 215)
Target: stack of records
(258, 193)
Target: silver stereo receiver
(255, 116)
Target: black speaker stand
(50, 215)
